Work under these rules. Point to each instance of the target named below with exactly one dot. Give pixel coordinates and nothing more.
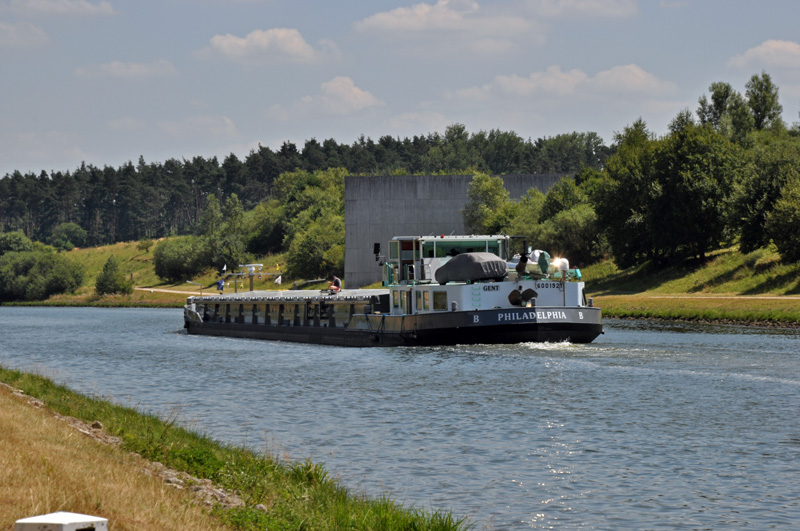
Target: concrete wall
(380, 207)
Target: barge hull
(478, 327)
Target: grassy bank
(48, 466)
(274, 494)
(754, 288)
(760, 311)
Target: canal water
(653, 426)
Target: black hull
(446, 329)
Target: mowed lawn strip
(765, 310)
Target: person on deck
(335, 284)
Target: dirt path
(157, 290)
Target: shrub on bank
(112, 280)
(180, 258)
(36, 275)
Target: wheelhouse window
(440, 301)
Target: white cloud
(463, 17)
(126, 123)
(556, 83)
(473, 94)
(445, 15)
(553, 80)
(21, 35)
(413, 123)
(459, 27)
(339, 96)
(277, 45)
(61, 7)
(205, 126)
(583, 8)
(118, 69)
(630, 79)
(771, 53)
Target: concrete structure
(380, 207)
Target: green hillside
(754, 288)
(726, 272)
(149, 289)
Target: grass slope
(277, 494)
(47, 466)
(753, 288)
(152, 290)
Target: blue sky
(105, 81)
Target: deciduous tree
(762, 97)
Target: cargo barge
(442, 290)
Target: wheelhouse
(415, 259)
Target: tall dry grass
(48, 466)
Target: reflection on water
(653, 425)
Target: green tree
(181, 258)
(228, 247)
(37, 274)
(489, 207)
(712, 112)
(774, 161)
(762, 97)
(727, 112)
(14, 241)
(563, 195)
(456, 152)
(233, 214)
(111, 280)
(267, 234)
(572, 234)
(67, 236)
(525, 222)
(211, 219)
(669, 198)
(317, 250)
(623, 198)
(738, 122)
(783, 221)
(312, 206)
(695, 171)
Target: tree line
(155, 199)
(730, 173)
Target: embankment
(62, 451)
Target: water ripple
(655, 425)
